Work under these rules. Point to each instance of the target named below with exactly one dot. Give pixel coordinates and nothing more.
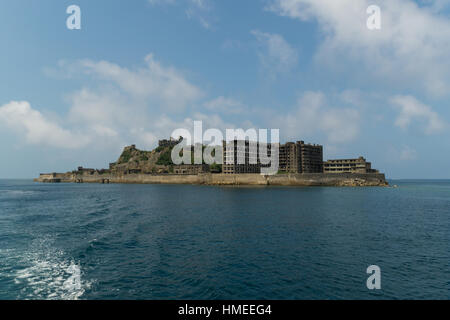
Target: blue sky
(139, 69)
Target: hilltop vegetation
(133, 159)
(158, 160)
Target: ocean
(89, 241)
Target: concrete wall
(311, 179)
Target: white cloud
(413, 110)
(225, 105)
(276, 54)
(126, 106)
(36, 129)
(105, 115)
(162, 84)
(413, 44)
(135, 106)
(311, 116)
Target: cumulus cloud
(413, 44)
(126, 106)
(129, 105)
(312, 116)
(164, 85)
(36, 129)
(411, 110)
(276, 54)
(142, 106)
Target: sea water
(89, 241)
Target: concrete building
(243, 157)
(289, 158)
(50, 177)
(191, 169)
(81, 170)
(300, 157)
(296, 157)
(359, 165)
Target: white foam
(50, 275)
(52, 280)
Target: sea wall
(315, 179)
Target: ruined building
(169, 143)
(248, 152)
(359, 165)
(296, 157)
(300, 157)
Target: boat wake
(50, 275)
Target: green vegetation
(125, 157)
(165, 158)
(159, 149)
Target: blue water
(70, 241)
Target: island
(300, 164)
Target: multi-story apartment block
(243, 157)
(293, 157)
(300, 157)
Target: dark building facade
(293, 157)
(301, 157)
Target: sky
(137, 70)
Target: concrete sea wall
(314, 179)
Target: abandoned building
(296, 157)
(243, 156)
(359, 165)
(169, 143)
(191, 169)
(81, 170)
(300, 157)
